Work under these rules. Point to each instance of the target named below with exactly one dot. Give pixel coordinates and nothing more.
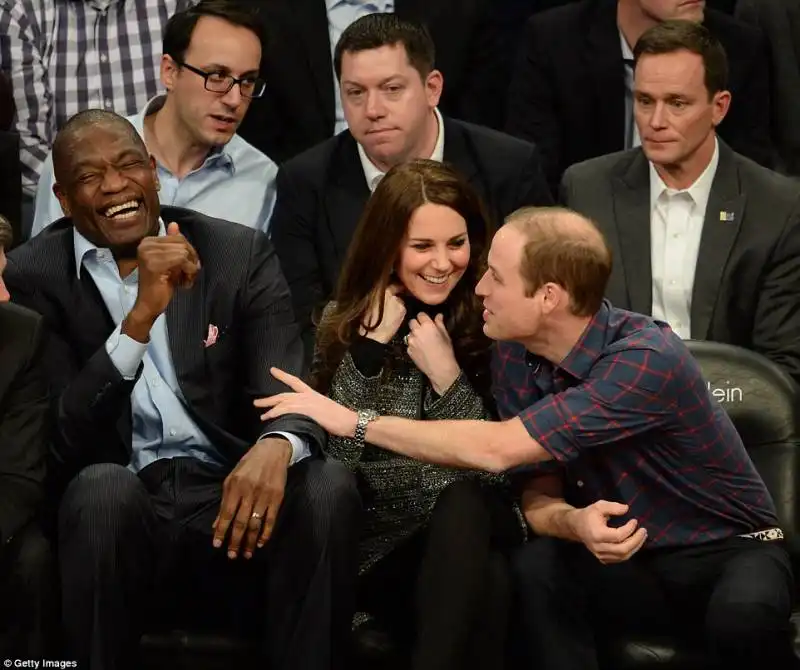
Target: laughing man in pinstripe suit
(161, 335)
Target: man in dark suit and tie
(390, 96)
(27, 569)
(163, 325)
(571, 89)
(300, 107)
(703, 238)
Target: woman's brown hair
(374, 252)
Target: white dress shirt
(676, 225)
(341, 13)
(374, 175)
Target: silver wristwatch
(364, 417)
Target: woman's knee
(464, 500)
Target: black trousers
(28, 595)
(734, 596)
(446, 591)
(135, 553)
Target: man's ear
(168, 71)
(721, 104)
(154, 168)
(62, 199)
(434, 84)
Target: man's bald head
(106, 182)
(564, 248)
(67, 145)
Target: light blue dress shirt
(341, 13)
(162, 427)
(236, 182)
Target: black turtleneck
(370, 355)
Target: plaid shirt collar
(579, 362)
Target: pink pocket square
(213, 334)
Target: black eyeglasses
(217, 82)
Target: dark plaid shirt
(629, 418)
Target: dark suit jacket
(747, 283)
(322, 193)
(10, 168)
(7, 106)
(24, 425)
(297, 111)
(568, 90)
(11, 182)
(240, 289)
(780, 21)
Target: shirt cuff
(368, 355)
(300, 448)
(125, 353)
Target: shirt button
(672, 282)
(109, 103)
(580, 483)
(172, 432)
(156, 382)
(103, 58)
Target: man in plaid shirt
(640, 488)
(65, 56)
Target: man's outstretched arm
(494, 446)
(483, 445)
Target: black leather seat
(764, 404)
(185, 650)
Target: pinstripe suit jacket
(23, 419)
(240, 289)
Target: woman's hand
(431, 349)
(334, 418)
(394, 313)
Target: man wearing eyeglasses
(209, 69)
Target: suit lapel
(457, 152)
(187, 328)
(91, 324)
(721, 225)
(606, 74)
(347, 195)
(632, 219)
(90, 314)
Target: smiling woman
(423, 234)
(403, 337)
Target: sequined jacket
(399, 492)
